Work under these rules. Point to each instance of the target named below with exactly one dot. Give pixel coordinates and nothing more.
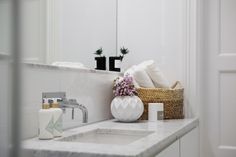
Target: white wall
(83, 26)
(94, 90)
(33, 30)
(67, 30)
(165, 31)
(154, 29)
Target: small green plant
(99, 52)
(124, 51)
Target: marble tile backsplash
(91, 88)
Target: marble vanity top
(163, 134)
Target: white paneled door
(219, 110)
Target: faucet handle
(81, 105)
(51, 95)
(72, 100)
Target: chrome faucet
(72, 103)
(67, 103)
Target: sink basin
(107, 136)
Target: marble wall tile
(90, 88)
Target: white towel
(157, 76)
(142, 78)
(148, 75)
(70, 64)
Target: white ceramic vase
(127, 108)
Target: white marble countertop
(165, 133)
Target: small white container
(46, 123)
(57, 116)
(155, 111)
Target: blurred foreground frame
(10, 69)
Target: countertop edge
(158, 147)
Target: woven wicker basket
(173, 100)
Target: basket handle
(176, 85)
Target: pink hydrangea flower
(124, 86)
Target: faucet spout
(84, 112)
(72, 103)
(67, 103)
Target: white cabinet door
(189, 146)
(171, 151)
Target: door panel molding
(218, 133)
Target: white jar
(127, 108)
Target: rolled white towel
(147, 74)
(157, 76)
(70, 64)
(142, 78)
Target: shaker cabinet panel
(189, 144)
(171, 151)
(186, 146)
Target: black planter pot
(100, 63)
(114, 63)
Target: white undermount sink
(107, 136)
